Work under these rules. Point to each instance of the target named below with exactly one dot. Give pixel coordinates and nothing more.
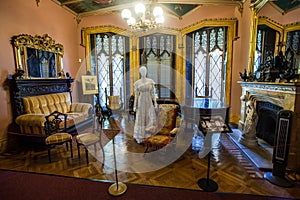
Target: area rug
(23, 185)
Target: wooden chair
(130, 112)
(165, 129)
(113, 103)
(55, 128)
(86, 140)
(207, 94)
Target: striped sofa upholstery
(37, 107)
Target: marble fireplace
(260, 102)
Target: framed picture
(89, 84)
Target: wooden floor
(233, 172)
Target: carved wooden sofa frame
(28, 99)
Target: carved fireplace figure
(248, 136)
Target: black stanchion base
(279, 181)
(207, 185)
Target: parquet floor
(233, 172)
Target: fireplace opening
(267, 117)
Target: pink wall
(240, 56)
(205, 12)
(19, 16)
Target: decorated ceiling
(178, 8)
(84, 8)
(285, 5)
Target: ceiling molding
(239, 3)
(277, 8)
(270, 23)
(65, 7)
(71, 1)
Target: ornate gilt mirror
(37, 56)
(276, 51)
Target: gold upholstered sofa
(31, 122)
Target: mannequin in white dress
(144, 91)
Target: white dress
(145, 113)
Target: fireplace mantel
(285, 95)
(272, 86)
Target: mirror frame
(281, 37)
(279, 29)
(290, 28)
(45, 43)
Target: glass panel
(153, 69)
(215, 79)
(103, 76)
(258, 52)
(200, 44)
(293, 50)
(118, 74)
(265, 46)
(200, 73)
(40, 64)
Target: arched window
(110, 61)
(157, 52)
(206, 62)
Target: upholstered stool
(87, 139)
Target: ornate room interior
(226, 92)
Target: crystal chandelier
(143, 18)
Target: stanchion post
(117, 188)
